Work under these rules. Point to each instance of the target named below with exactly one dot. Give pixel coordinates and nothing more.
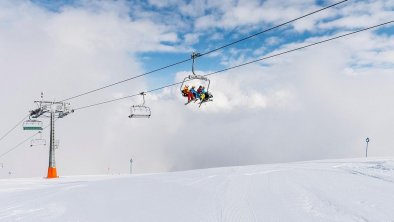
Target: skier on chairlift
(205, 95)
(185, 91)
(190, 96)
(199, 90)
(194, 92)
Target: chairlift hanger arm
(143, 98)
(194, 56)
(194, 75)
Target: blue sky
(181, 22)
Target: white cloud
(232, 14)
(191, 38)
(64, 53)
(360, 14)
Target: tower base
(52, 173)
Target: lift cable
(244, 64)
(223, 70)
(22, 142)
(14, 127)
(205, 53)
(272, 28)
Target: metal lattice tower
(51, 110)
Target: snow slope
(331, 190)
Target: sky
(317, 103)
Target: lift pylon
(51, 110)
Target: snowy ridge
(329, 190)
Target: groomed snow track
(331, 190)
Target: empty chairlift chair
(32, 125)
(140, 111)
(38, 141)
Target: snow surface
(330, 190)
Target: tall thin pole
(131, 165)
(52, 164)
(366, 149)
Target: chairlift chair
(140, 111)
(194, 76)
(32, 124)
(38, 141)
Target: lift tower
(51, 110)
